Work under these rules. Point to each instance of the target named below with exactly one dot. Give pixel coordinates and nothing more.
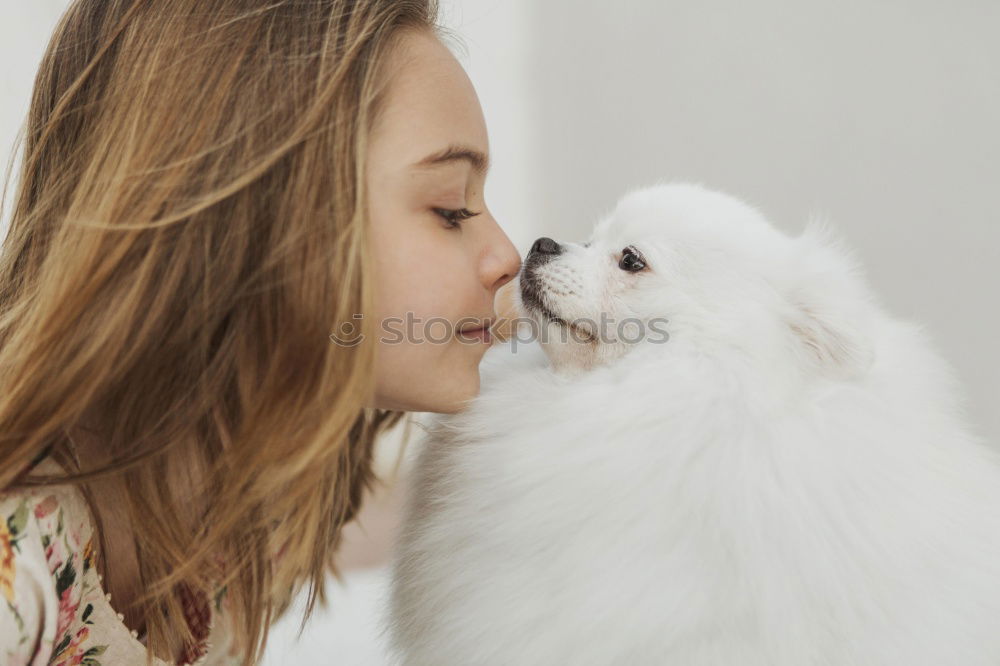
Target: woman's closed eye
(454, 217)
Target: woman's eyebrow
(479, 161)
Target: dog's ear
(829, 302)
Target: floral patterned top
(53, 609)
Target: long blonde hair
(189, 228)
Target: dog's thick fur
(787, 480)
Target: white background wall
(25, 28)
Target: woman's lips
(480, 333)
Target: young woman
(248, 236)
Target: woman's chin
(448, 395)
(459, 397)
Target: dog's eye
(631, 261)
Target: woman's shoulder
(46, 567)
(54, 608)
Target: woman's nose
(504, 262)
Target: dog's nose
(545, 245)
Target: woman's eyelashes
(454, 217)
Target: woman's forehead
(430, 103)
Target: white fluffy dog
(783, 477)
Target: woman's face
(436, 274)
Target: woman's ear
(830, 306)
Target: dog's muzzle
(542, 251)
